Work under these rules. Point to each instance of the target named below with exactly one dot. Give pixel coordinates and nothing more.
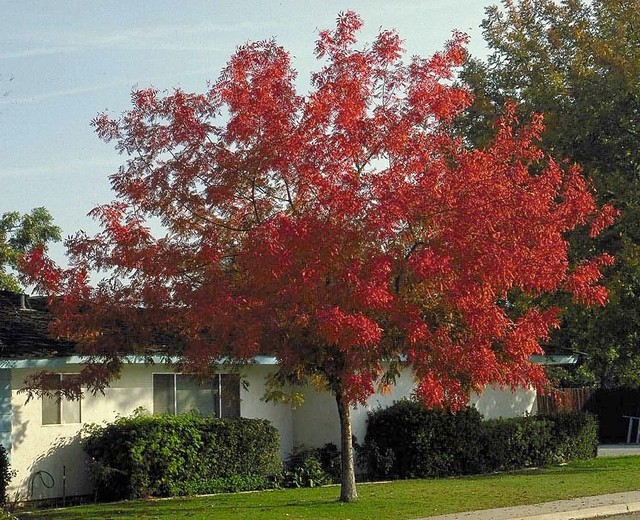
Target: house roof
(25, 341)
(24, 328)
(24, 337)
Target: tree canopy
(578, 63)
(347, 232)
(19, 234)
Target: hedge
(539, 440)
(407, 441)
(165, 455)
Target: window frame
(59, 402)
(217, 403)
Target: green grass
(394, 500)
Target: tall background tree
(578, 63)
(19, 234)
(347, 232)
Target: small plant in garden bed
(311, 467)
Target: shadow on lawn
(167, 508)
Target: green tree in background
(20, 233)
(578, 63)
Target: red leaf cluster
(336, 231)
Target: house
(42, 436)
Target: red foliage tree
(348, 232)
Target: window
(181, 393)
(59, 411)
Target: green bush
(575, 435)
(5, 475)
(515, 443)
(310, 467)
(165, 455)
(539, 440)
(408, 441)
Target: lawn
(393, 500)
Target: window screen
(51, 409)
(230, 387)
(60, 411)
(193, 394)
(182, 393)
(164, 396)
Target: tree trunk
(348, 491)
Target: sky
(62, 62)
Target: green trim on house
(555, 359)
(57, 362)
(5, 410)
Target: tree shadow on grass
(178, 507)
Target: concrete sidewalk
(586, 507)
(618, 450)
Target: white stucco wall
(254, 407)
(496, 402)
(54, 447)
(50, 448)
(316, 421)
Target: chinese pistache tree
(347, 232)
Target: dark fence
(608, 404)
(564, 400)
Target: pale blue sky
(62, 62)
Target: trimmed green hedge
(408, 441)
(539, 440)
(163, 455)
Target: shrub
(166, 455)
(515, 443)
(408, 441)
(539, 440)
(575, 436)
(5, 475)
(310, 467)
